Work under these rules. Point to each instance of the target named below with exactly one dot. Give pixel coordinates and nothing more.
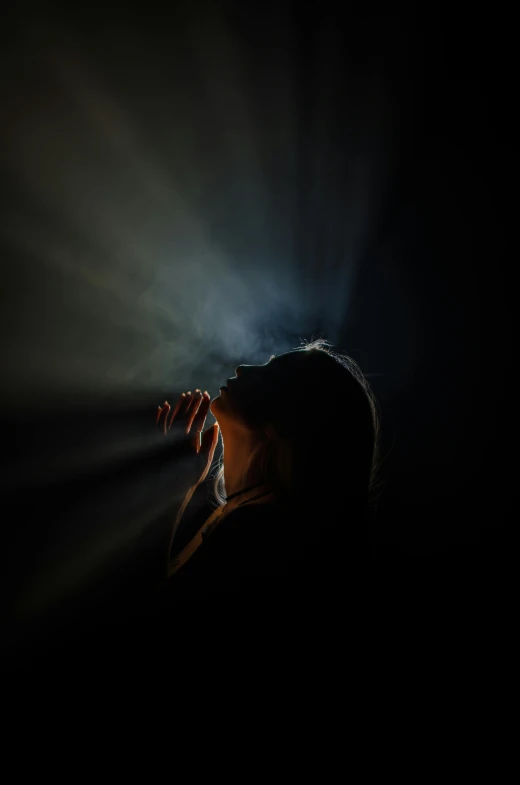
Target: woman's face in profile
(258, 392)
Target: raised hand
(184, 427)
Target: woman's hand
(184, 427)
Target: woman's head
(310, 420)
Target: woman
(300, 444)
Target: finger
(199, 414)
(162, 412)
(193, 397)
(190, 417)
(166, 411)
(194, 404)
(180, 409)
(184, 414)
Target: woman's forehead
(287, 358)
(285, 355)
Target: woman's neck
(237, 453)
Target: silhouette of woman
(293, 491)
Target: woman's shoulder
(246, 520)
(257, 518)
(246, 535)
(262, 537)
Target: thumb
(209, 442)
(207, 448)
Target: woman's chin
(215, 404)
(221, 404)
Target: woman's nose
(243, 369)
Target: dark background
(185, 192)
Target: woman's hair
(323, 445)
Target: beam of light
(164, 235)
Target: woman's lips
(228, 384)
